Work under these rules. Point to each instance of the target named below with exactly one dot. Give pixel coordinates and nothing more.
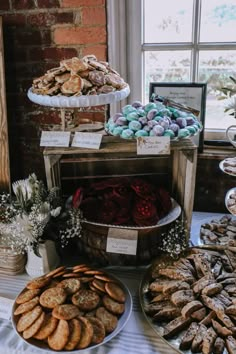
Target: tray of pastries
(218, 231)
(191, 301)
(79, 82)
(71, 309)
(228, 166)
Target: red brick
(49, 19)
(4, 5)
(46, 4)
(51, 53)
(100, 51)
(91, 116)
(27, 37)
(77, 35)
(46, 37)
(23, 4)
(45, 117)
(93, 16)
(14, 19)
(11, 53)
(77, 3)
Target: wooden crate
(67, 167)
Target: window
(182, 41)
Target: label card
(122, 241)
(87, 140)
(55, 139)
(153, 145)
(6, 307)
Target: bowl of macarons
(153, 119)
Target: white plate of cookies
(71, 309)
(228, 166)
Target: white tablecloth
(137, 337)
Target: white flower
(230, 103)
(55, 212)
(22, 189)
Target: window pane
(166, 66)
(215, 67)
(168, 21)
(218, 21)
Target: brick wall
(37, 35)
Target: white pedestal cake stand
(65, 102)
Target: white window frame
(126, 49)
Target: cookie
(38, 283)
(27, 295)
(71, 275)
(99, 284)
(78, 266)
(86, 279)
(70, 285)
(114, 80)
(81, 269)
(62, 77)
(97, 78)
(109, 320)
(59, 274)
(65, 312)
(52, 297)
(55, 271)
(28, 318)
(113, 306)
(104, 278)
(93, 272)
(115, 292)
(86, 333)
(74, 65)
(48, 326)
(73, 85)
(86, 300)
(99, 292)
(58, 339)
(26, 306)
(99, 331)
(75, 333)
(33, 329)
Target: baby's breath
(73, 226)
(175, 240)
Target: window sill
(218, 149)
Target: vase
(37, 266)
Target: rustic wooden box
(68, 167)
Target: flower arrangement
(175, 241)
(123, 201)
(228, 93)
(34, 215)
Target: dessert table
(136, 337)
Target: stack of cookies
(76, 77)
(69, 308)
